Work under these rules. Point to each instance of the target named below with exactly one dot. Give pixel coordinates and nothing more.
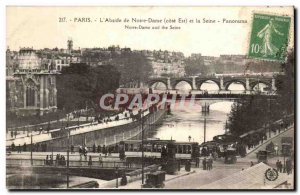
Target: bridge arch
(152, 83)
(236, 81)
(220, 103)
(255, 83)
(176, 82)
(201, 82)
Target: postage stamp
(150, 98)
(269, 37)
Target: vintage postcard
(150, 98)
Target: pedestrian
(178, 165)
(85, 151)
(188, 166)
(277, 165)
(276, 148)
(215, 155)
(57, 160)
(51, 160)
(280, 166)
(47, 160)
(90, 161)
(209, 164)
(19, 148)
(99, 149)
(100, 160)
(104, 150)
(251, 164)
(288, 166)
(197, 162)
(204, 164)
(63, 160)
(13, 147)
(24, 147)
(80, 150)
(72, 149)
(94, 148)
(122, 154)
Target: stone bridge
(249, 82)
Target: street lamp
(142, 121)
(269, 114)
(31, 145)
(205, 122)
(68, 151)
(117, 176)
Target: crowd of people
(287, 168)
(59, 161)
(42, 147)
(207, 164)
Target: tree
(79, 85)
(134, 67)
(253, 113)
(286, 86)
(195, 67)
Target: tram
(159, 148)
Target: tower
(70, 46)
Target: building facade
(31, 86)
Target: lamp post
(142, 121)
(31, 145)
(117, 175)
(270, 112)
(68, 155)
(204, 122)
(226, 127)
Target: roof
(251, 178)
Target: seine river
(190, 122)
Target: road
(220, 170)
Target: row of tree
(80, 86)
(253, 113)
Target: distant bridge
(248, 81)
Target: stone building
(31, 86)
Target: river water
(190, 121)
(181, 124)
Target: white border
(4, 3)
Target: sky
(39, 27)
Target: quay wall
(107, 136)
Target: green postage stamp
(269, 37)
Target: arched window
(30, 94)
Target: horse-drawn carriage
(155, 180)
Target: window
(30, 94)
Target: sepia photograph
(150, 98)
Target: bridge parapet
(223, 82)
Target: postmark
(269, 37)
(271, 174)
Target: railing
(72, 163)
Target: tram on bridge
(159, 148)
